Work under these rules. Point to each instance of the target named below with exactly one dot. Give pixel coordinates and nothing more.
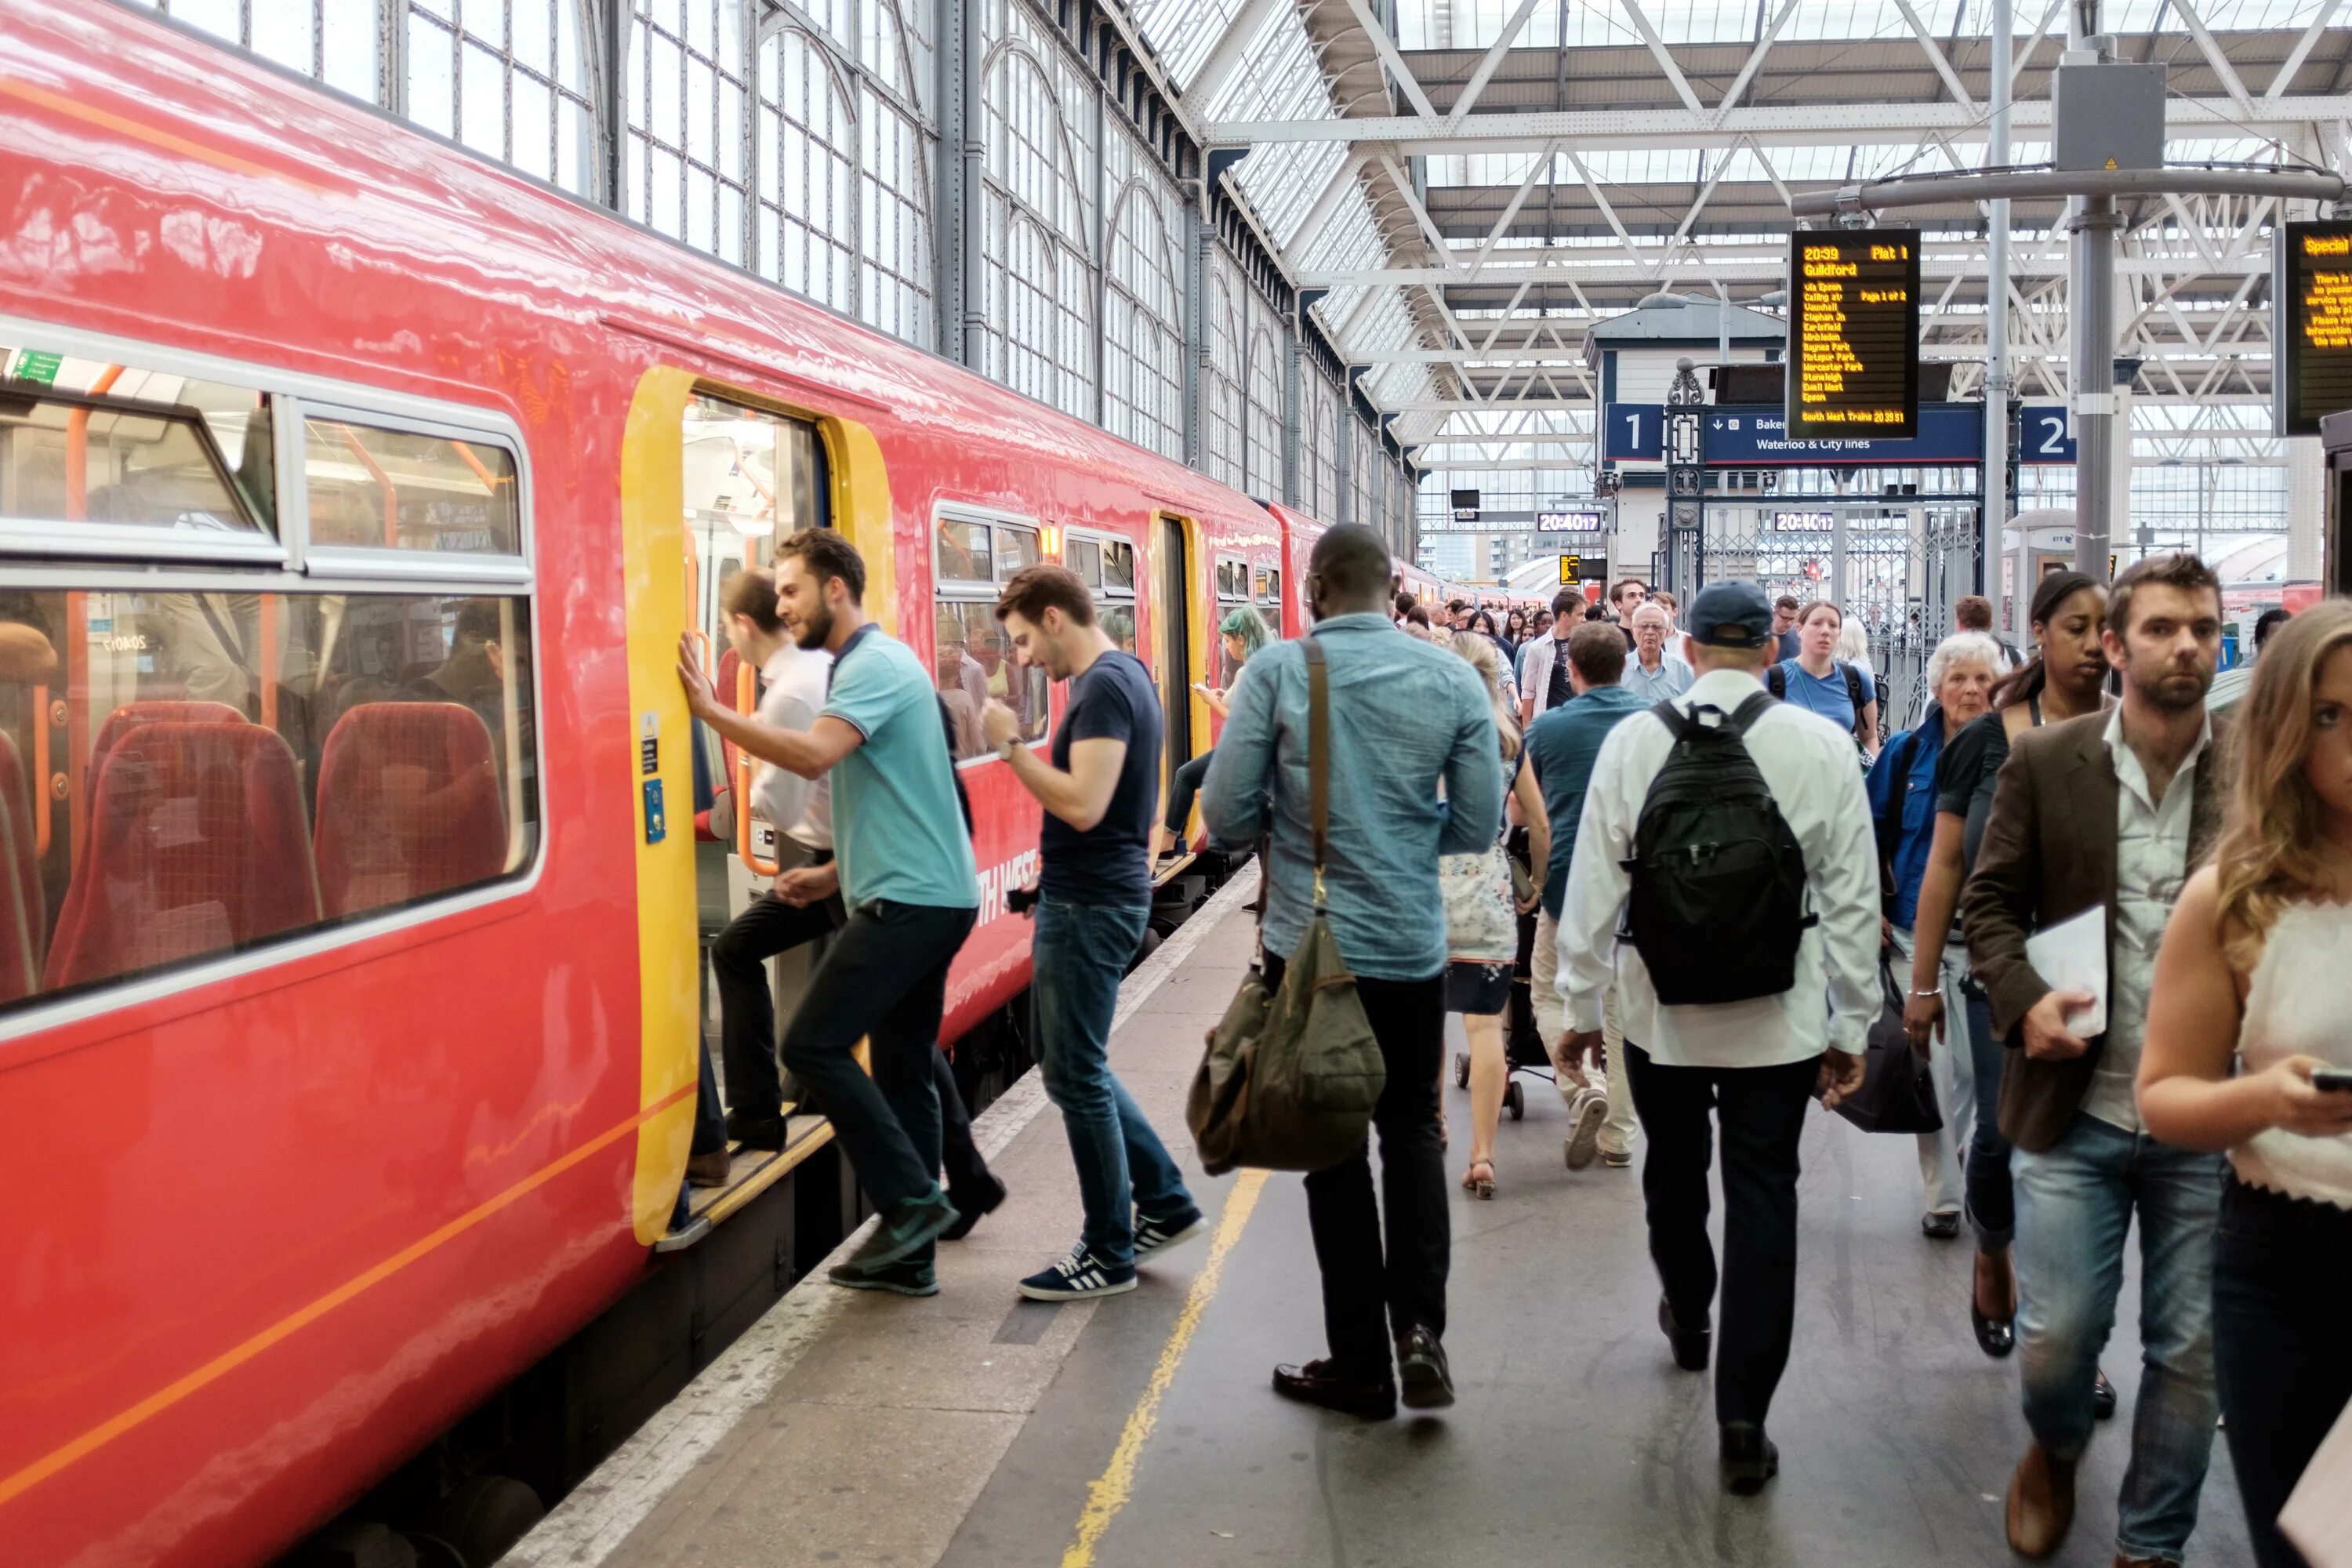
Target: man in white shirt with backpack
(1732, 848)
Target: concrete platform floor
(972, 1430)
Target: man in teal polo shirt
(907, 880)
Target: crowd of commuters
(1725, 873)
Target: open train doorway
(751, 478)
(1172, 632)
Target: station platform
(976, 1430)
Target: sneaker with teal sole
(905, 1228)
(908, 1277)
(1078, 1277)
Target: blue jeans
(1081, 951)
(1992, 1205)
(2074, 1207)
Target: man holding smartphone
(1094, 898)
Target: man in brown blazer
(2109, 811)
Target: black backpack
(1717, 906)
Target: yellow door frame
(653, 576)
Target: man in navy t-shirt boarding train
(1098, 787)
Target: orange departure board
(1854, 333)
(2310, 291)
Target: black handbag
(1897, 1094)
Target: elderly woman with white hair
(1960, 675)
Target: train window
(1269, 599)
(167, 465)
(750, 474)
(972, 657)
(395, 489)
(1118, 567)
(1016, 548)
(1108, 566)
(963, 552)
(185, 775)
(1233, 593)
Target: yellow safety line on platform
(1109, 1491)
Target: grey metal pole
(2091, 368)
(1994, 511)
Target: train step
(750, 1171)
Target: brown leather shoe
(709, 1170)
(2040, 1503)
(1325, 1383)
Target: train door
(749, 478)
(1173, 640)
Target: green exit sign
(35, 364)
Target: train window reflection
(1118, 565)
(963, 552)
(224, 769)
(82, 441)
(374, 489)
(974, 661)
(1085, 560)
(1015, 548)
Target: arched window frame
(1033, 193)
(1143, 339)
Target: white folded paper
(2072, 956)
(2318, 1516)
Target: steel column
(2090, 366)
(1995, 483)
(947, 212)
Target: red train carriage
(353, 494)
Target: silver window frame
(960, 591)
(76, 563)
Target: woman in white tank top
(2254, 967)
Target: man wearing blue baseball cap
(1727, 836)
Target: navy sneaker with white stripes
(1078, 1276)
(1159, 1235)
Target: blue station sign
(2046, 433)
(1743, 435)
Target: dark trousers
(1369, 1296)
(1761, 1112)
(1992, 1199)
(747, 1005)
(2282, 1275)
(1182, 788)
(884, 980)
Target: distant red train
(353, 494)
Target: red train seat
(196, 845)
(23, 912)
(131, 715)
(408, 804)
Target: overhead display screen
(1853, 332)
(2313, 291)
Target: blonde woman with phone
(2251, 977)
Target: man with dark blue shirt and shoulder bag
(1098, 789)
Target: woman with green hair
(1245, 632)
